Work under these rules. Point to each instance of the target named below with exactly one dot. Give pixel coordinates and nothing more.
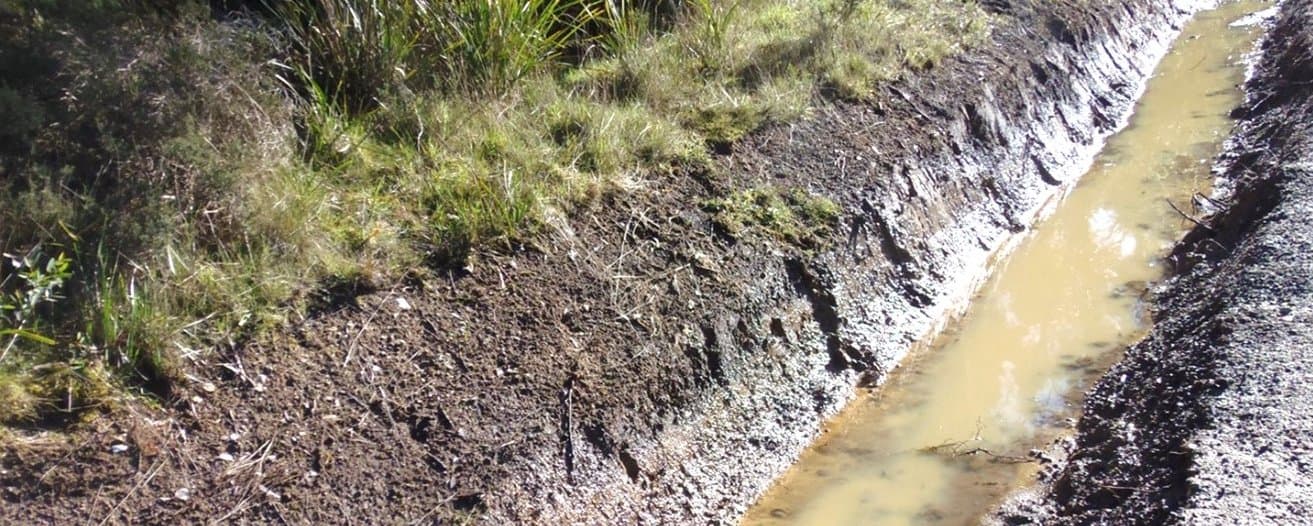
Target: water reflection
(948, 434)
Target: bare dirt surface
(634, 364)
(1208, 420)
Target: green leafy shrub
(38, 285)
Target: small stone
(208, 387)
(226, 457)
(403, 304)
(182, 494)
(118, 449)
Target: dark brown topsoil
(512, 386)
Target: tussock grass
(178, 182)
(758, 61)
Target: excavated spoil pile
(1209, 420)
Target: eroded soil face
(636, 363)
(953, 429)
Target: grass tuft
(174, 182)
(794, 216)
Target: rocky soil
(635, 364)
(1209, 420)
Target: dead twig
(151, 475)
(242, 505)
(1201, 197)
(368, 321)
(1189, 218)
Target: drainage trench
(949, 434)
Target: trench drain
(955, 429)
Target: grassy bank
(173, 180)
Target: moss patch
(794, 215)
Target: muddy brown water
(948, 435)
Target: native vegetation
(178, 176)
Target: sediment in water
(949, 433)
(937, 179)
(637, 365)
(1207, 421)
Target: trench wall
(1206, 421)
(937, 181)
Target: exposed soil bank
(1209, 419)
(946, 438)
(637, 365)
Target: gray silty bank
(1253, 464)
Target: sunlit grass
(205, 178)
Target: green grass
(204, 180)
(793, 216)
